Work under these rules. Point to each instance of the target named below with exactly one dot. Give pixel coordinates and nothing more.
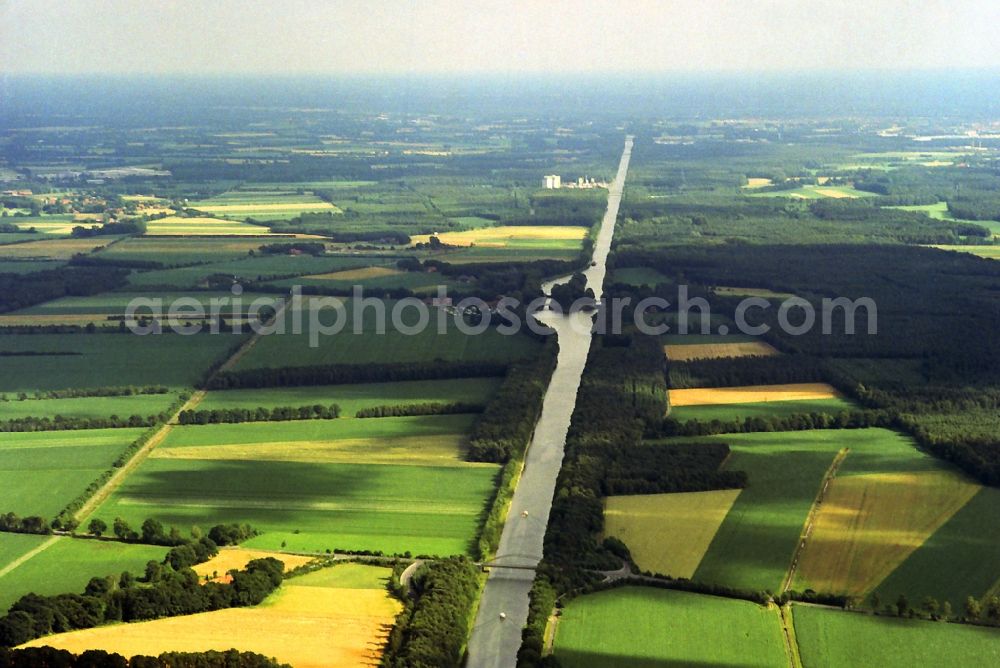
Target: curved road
(495, 639)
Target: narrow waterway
(503, 610)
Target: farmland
(651, 627)
(194, 226)
(352, 398)
(753, 394)
(668, 533)
(366, 345)
(391, 484)
(261, 204)
(41, 472)
(718, 349)
(87, 407)
(519, 237)
(831, 639)
(68, 564)
(333, 617)
(52, 249)
(175, 361)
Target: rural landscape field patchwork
(286, 379)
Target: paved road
(495, 640)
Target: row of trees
(62, 423)
(75, 393)
(32, 657)
(433, 627)
(405, 410)
(259, 414)
(19, 291)
(343, 374)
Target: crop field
(40, 472)
(391, 484)
(374, 277)
(26, 266)
(683, 352)
(262, 205)
(742, 411)
(180, 250)
(115, 303)
(638, 276)
(261, 267)
(730, 291)
(758, 182)
(172, 360)
(87, 407)
(52, 249)
(352, 398)
(644, 627)
(753, 547)
(178, 226)
(527, 236)
(337, 617)
(68, 564)
(668, 533)
(13, 546)
(868, 524)
(236, 558)
(816, 192)
(960, 559)
(990, 252)
(365, 345)
(833, 639)
(52, 225)
(475, 254)
(753, 394)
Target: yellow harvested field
(709, 351)
(756, 182)
(869, 524)
(439, 450)
(358, 274)
(831, 192)
(230, 558)
(306, 625)
(752, 292)
(53, 249)
(177, 226)
(751, 394)
(500, 236)
(668, 533)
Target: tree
(97, 527)
(973, 610)
(946, 611)
(875, 601)
(930, 606)
(902, 605)
(123, 530)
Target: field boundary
(28, 555)
(831, 473)
(788, 632)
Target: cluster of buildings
(554, 182)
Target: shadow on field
(580, 659)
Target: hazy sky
(399, 36)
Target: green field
(753, 547)
(87, 407)
(27, 266)
(108, 360)
(634, 627)
(69, 564)
(990, 252)
(391, 484)
(262, 205)
(41, 472)
(261, 267)
(418, 282)
(815, 192)
(834, 639)
(960, 559)
(115, 303)
(171, 251)
(352, 398)
(368, 346)
(202, 226)
(638, 276)
(13, 545)
(764, 409)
